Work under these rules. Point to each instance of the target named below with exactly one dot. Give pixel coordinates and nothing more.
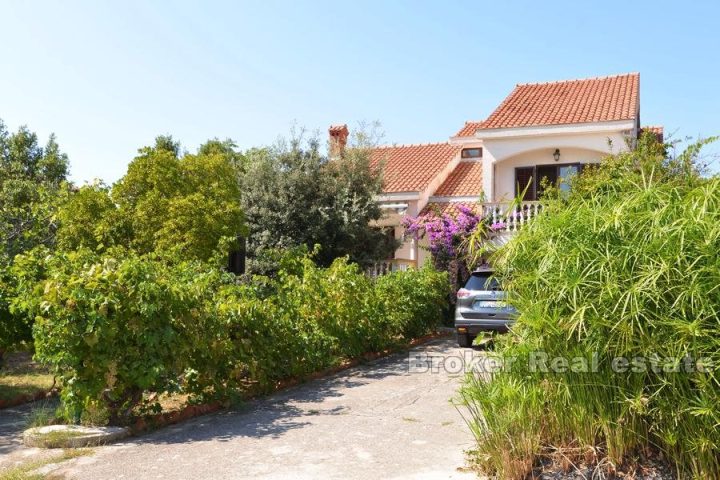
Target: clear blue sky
(107, 77)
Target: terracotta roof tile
(658, 130)
(601, 99)
(411, 168)
(465, 180)
(469, 129)
(338, 128)
(451, 208)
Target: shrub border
(155, 422)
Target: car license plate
(488, 304)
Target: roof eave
(561, 129)
(397, 196)
(464, 140)
(454, 198)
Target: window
(471, 152)
(565, 172)
(534, 178)
(547, 175)
(482, 281)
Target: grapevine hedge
(120, 329)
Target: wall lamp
(556, 154)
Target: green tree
(32, 183)
(90, 219)
(226, 148)
(294, 195)
(32, 178)
(187, 206)
(144, 194)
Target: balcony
(388, 266)
(509, 218)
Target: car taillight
(463, 293)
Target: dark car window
(482, 281)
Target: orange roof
(451, 208)
(658, 130)
(338, 128)
(469, 129)
(411, 168)
(465, 180)
(601, 99)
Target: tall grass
(626, 266)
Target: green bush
(317, 317)
(15, 322)
(626, 266)
(13, 329)
(119, 328)
(413, 300)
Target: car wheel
(465, 340)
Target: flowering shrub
(497, 226)
(446, 233)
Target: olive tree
(295, 195)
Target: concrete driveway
(380, 420)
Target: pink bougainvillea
(445, 232)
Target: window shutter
(523, 176)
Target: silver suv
(481, 306)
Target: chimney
(338, 140)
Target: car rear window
(482, 281)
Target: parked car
(481, 307)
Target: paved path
(370, 422)
(13, 422)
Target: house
(540, 131)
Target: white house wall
(407, 250)
(505, 154)
(423, 253)
(505, 170)
(501, 155)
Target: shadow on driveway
(282, 411)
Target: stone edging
(72, 436)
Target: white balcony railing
(505, 217)
(387, 266)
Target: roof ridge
(605, 77)
(407, 145)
